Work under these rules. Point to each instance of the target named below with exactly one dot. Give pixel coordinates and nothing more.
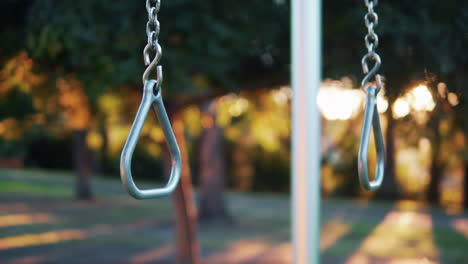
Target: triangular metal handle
(151, 97)
(371, 120)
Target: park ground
(40, 222)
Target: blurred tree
(465, 184)
(461, 123)
(214, 46)
(415, 38)
(434, 127)
(257, 128)
(17, 80)
(188, 249)
(212, 167)
(78, 118)
(209, 47)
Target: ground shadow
(363, 219)
(452, 245)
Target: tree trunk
(436, 170)
(389, 191)
(212, 168)
(82, 164)
(434, 184)
(465, 187)
(104, 150)
(187, 248)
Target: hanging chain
(371, 20)
(152, 98)
(371, 114)
(152, 33)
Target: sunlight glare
(401, 108)
(420, 99)
(280, 96)
(406, 228)
(238, 107)
(382, 104)
(40, 239)
(337, 100)
(336, 103)
(25, 219)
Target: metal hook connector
(371, 120)
(152, 63)
(373, 72)
(150, 98)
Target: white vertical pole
(306, 76)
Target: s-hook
(371, 115)
(151, 97)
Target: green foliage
(416, 37)
(211, 47)
(12, 148)
(144, 167)
(49, 151)
(12, 26)
(16, 104)
(272, 171)
(216, 41)
(12, 187)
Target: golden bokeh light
(401, 108)
(453, 99)
(94, 140)
(239, 106)
(418, 99)
(337, 100)
(442, 89)
(282, 95)
(406, 227)
(25, 219)
(10, 129)
(230, 106)
(40, 239)
(382, 104)
(336, 103)
(17, 72)
(75, 103)
(192, 120)
(154, 150)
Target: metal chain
(371, 20)
(371, 114)
(152, 98)
(152, 33)
(371, 40)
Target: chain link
(371, 40)
(371, 115)
(152, 46)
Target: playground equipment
(306, 77)
(151, 97)
(371, 115)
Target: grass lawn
(40, 222)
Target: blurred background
(70, 85)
